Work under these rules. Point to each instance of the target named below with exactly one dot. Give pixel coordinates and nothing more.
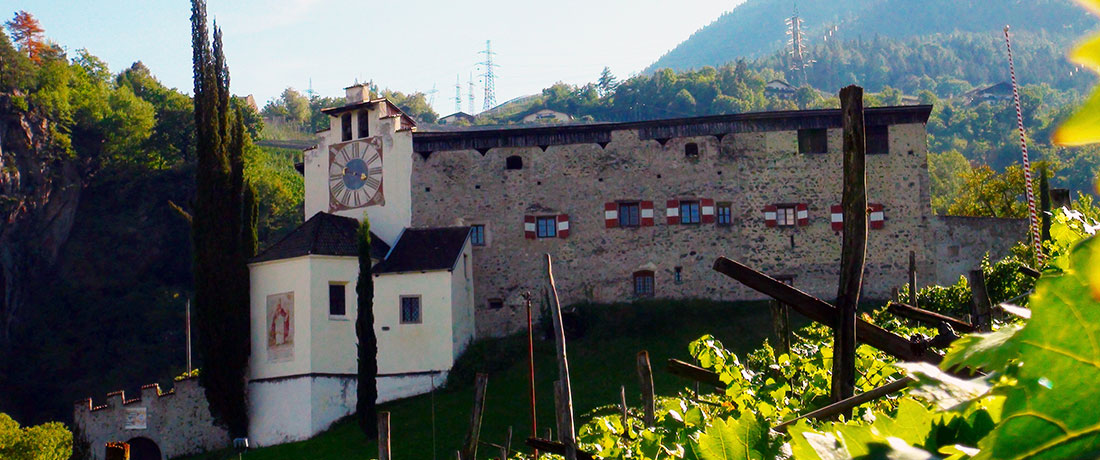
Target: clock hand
(362, 176)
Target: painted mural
(280, 327)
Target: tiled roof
(424, 249)
(323, 234)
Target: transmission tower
(471, 95)
(490, 90)
(458, 93)
(431, 96)
(797, 51)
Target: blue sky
(406, 45)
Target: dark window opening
(813, 141)
(691, 150)
(878, 140)
(337, 302)
(629, 215)
(725, 214)
(678, 275)
(364, 124)
(643, 283)
(547, 227)
(345, 127)
(496, 304)
(689, 212)
(786, 216)
(410, 309)
(513, 162)
(477, 235)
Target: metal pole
(187, 321)
(531, 367)
(433, 413)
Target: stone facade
(962, 242)
(750, 169)
(177, 421)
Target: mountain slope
(756, 28)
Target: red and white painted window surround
(628, 213)
(546, 226)
(787, 215)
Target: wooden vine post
(981, 310)
(853, 252)
(469, 448)
(645, 382)
(781, 325)
(567, 430)
(913, 279)
(384, 436)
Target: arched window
(513, 162)
(643, 283)
(691, 150)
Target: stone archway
(142, 448)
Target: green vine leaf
(732, 439)
(1084, 126)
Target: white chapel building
(302, 371)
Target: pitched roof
(424, 249)
(323, 234)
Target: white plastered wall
(275, 277)
(333, 347)
(407, 348)
(462, 301)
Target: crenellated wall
(178, 420)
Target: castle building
(460, 221)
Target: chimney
(359, 92)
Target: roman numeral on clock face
(372, 183)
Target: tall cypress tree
(221, 242)
(366, 412)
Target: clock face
(355, 174)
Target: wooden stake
(913, 279)
(930, 318)
(693, 372)
(531, 367)
(847, 405)
(645, 381)
(559, 409)
(781, 325)
(622, 409)
(505, 450)
(384, 436)
(980, 307)
(469, 449)
(567, 433)
(854, 248)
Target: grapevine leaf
(1084, 126)
(992, 350)
(731, 439)
(1046, 411)
(941, 388)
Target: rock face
(40, 187)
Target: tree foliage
(49, 441)
(367, 343)
(28, 34)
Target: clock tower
(362, 164)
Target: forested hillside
(756, 28)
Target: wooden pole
(645, 381)
(913, 279)
(930, 318)
(781, 325)
(568, 433)
(847, 405)
(469, 449)
(693, 372)
(505, 451)
(531, 367)
(622, 409)
(559, 409)
(384, 436)
(853, 252)
(980, 307)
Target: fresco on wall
(280, 327)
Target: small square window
(643, 283)
(477, 235)
(689, 212)
(629, 214)
(878, 140)
(547, 227)
(725, 213)
(337, 300)
(496, 304)
(678, 275)
(813, 141)
(410, 309)
(691, 150)
(786, 216)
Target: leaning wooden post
(645, 381)
(506, 449)
(980, 307)
(567, 432)
(853, 252)
(559, 409)
(469, 448)
(531, 368)
(781, 324)
(384, 436)
(913, 279)
(622, 408)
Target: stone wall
(178, 421)
(961, 242)
(594, 263)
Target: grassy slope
(600, 362)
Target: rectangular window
(813, 141)
(629, 215)
(786, 216)
(496, 304)
(477, 235)
(337, 303)
(878, 140)
(547, 227)
(643, 283)
(364, 124)
(689, 212)
(410, 309)
(725, 213)
(345, 127)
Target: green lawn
(600, 361)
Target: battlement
(149, 392)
